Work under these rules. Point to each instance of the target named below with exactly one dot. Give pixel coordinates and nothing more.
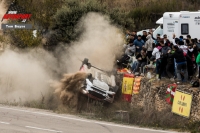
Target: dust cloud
(100, 43)
(25, 76)
(69, 88)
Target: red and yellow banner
(136, 86)
(127, 86)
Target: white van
(181, 23)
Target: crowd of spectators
(177, 59)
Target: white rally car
(99, 85)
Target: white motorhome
(181, 23)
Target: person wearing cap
(138, 44)
(180, 62)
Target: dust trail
(25, 76)
(68, 89)
(100, 42)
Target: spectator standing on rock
(138, 44)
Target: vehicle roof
(160, 21)
(177, 14)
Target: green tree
(24, 38)
(66, 19)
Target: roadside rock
(152, 96)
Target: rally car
(99, 84)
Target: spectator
(190, 67)
(151, 31)
(180, 62)
(190, 53)
(157, 40)
(175, 40)
(189, 38)
(156, 53)
(138, 44)
(130, 50)
(131, 39)
(142, 60)
(195, 50)
(196, 40)
(127, 34)
(198, 62)
(183, 47)
(164, 56)
(165, 39)
(134, 33)
(144, 36)
(149, 46)
(187, 42)
(133, 67)
(170, 67)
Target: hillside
(50, 15)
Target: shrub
(67, 18)
(24, 38)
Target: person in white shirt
(156, 53)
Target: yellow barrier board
(182, 103)
(127, 86)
